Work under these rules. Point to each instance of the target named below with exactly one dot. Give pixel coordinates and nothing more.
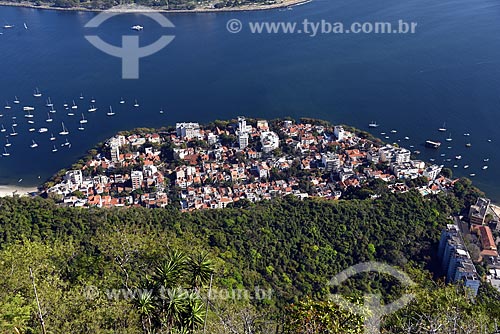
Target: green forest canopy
(286, 246)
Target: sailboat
(110, 112)
(161, 111)
(7, 143)
(81, 128)
(83, 120)
(74, 106)
(92, 108)
(373, 124)
(5, 153)
(443, 128)
(122, 101)
(52, 110)
(42, 130)
(28, 115)
(48, 120)
(13, 133)
(33, 144)
(7, 106)
(37, 93)
(64, 131)
(81, 96)
(136, 104)
(31, 122)
(25, 26)
(49, 103)
(54, 150)
(52, 138)
(92, 100)
(28, 108)
(3, 129)
(449, 138)
(16, 100)
(31, 129)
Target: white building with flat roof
(270, 141)
(188, 130)
(137, 178)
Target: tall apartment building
(455, 259)
(137, 178)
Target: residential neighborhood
(211, 167)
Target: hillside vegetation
(287, 248)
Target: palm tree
(200, 270)
(195, 314)
(174, 307)
(145, 304)
(170, 272)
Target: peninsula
(180, 6)
(222, 163)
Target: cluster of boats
(434, 144)
(16, 111)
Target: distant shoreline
(282, 4)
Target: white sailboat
(31, 129)
(13, 133)
(5, 153)
(92, 100)
(81, 96)
(42, 130)
(28, 115)
(122, 101)
(449, 138)
(3, 129)
(33, 144)
(28, 108)
(7, 143)
(52, 138)
(83, 120)
(37, 93)
(110, 112)
(443, 128)
(25, 26)
(31, 122)
(74, 106)
(54, 150)
(48, 120)
(161, 111)
(16, 100)
(136, 104)
(92, 108)
(49, 103)
(7, 106)
(64, 131)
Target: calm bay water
(449, 71)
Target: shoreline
(245, 8)
(6, 190)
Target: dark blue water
(449, 71)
